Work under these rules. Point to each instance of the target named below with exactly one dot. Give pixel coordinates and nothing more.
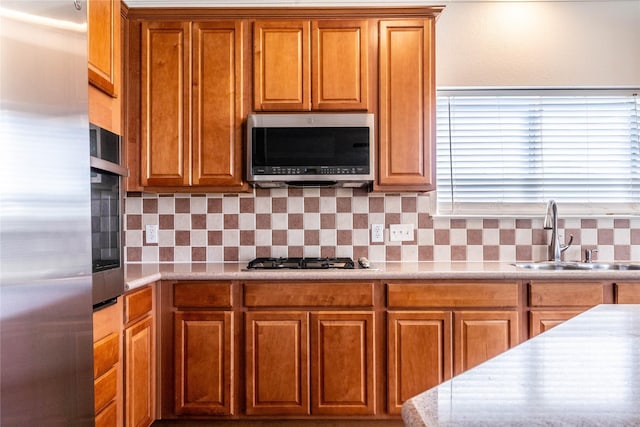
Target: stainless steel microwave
(310, 149)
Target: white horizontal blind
(514, 151)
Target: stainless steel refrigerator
(46, 360)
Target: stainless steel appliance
(106, 215)
(300, 263)
(311, 149)
(46, 339)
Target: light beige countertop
(140, 274)
(584, 372)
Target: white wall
(539, 43)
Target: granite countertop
(583, 372)
(141, 274)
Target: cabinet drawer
(326, 294)
(105, 388)
(138, 303)
(202, 294)
(108, 417)
(460, 294)
(627, 293)
(106, 353)
(562, 294)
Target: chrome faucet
(551, 223)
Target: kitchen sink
(576, 265)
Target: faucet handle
(588, 254)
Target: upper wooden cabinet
(302, 65)
(103, 38)
(191, 105)
(104, 50)
(406, 119)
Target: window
(507, 152)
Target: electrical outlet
(401, 232)
(377, 233)
(151, 234)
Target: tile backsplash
(337, 222)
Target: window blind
(509, 152)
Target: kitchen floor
(279, 423)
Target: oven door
(106, 235)
(106, 215)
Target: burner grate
(300, 263)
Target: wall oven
(106, 215)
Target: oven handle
(108, 166)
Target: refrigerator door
(46, 351)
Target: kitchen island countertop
(140, 274)
(583, 372)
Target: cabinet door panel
(164, 104)
(217, 103)
(542, 321)
(281, 65)
(342, 364)
(203, 363)
(481, 335)
(340, 68)
(419, 353)
(407, 97)
(277, 363)
(139, 376)
(103, 23)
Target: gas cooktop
(300, 263)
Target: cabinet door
(139, 374)
(542, 321)
(407, 105)
(627, 293)
(339, 77)
(419, 353)
(217, 103)
(342, 363)
(481, 335)
(103, 39)
(277, 363)
(164, 115)
(203, 372)
(281, 73)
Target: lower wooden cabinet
(542, 320)
(107, 366)
(342, 363)
(627, 293)
(139, 358)
(203, 373)
(553, 303)
(481, 335)
(338, 365)
(277, 368)
(419, 353)
(441, 328)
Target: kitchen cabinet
(406, 117)
(326, 349)
(552, 303)
(481, 335)
(139, 357)
(436, 329)
(104, 51)
(190, 104)
(419, 355)
(627, 293)
(204, 348)
(277, 342)
(303, 65)
(103, 40)
(107, 367)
